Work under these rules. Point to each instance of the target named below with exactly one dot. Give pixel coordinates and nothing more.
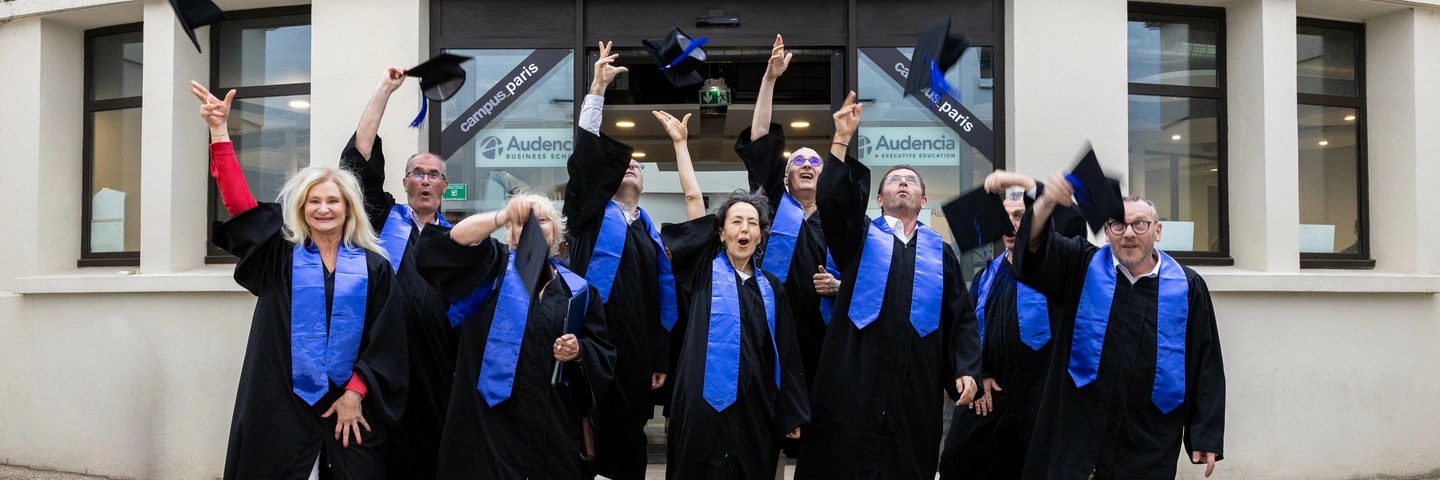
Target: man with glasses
(903, 330)
(617, 248)
(1136, 369)
(430, 339)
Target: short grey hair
(1154, 215)
(410, 162)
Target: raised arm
(480, 226)
(679, 131)
(779, 60)
(594, 105)
(230, 180)
(1057, 192)
(598, 164)
(847, 120)
(369, 127)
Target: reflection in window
(1171, 50)
(1331, 122)
(272, 141)
(1325, 61)
(115, 181)
(1174, 163)
(115, 65)
(525, 146)
(264, 51)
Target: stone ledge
(1231, 279)
(109, 280)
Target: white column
(1263, 158)
(1066, 84)
(353, 41)
(41, 130)
(1401, 72)
(174, 153)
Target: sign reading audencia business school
(918, 146)
(524, 147)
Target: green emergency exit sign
(456, 191)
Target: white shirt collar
(898, 227)
(629, 217)
(1154, 272)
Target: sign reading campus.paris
(945, 107)
(498, 98)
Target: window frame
(214, 254)
(91, 107)
(1362, 260)
(1219, 93)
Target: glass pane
(115, 181)
(264, 51)
(525, 146)
(116, 63)
(1173, 50)
(1325, 61)
(1174, 162)
(272, 141)
(897, 129)
(1329, 180)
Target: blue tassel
(938, 85)
(424, 106)
(694, 44)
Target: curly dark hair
(756, 199)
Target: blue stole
(927, 291)
(605, 260)
(827, 304)
(1172, 316)
(722, 345)
(780, 248)
(1030, 307)
(314, 353)
(396, 233)
(507, 328)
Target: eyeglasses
(1118, 228)
(801, 160)
(420, 176)
(897, 178)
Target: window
(1176, 69)
(1331, 85)
(264, 55)
(114, 60)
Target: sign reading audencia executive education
(918, 146)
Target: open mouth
(807, 175)
(426, 194)
(743, 242)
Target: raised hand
(215, 111)
(1059, 191)
(678, 129)
(1000, 180)
(392, 79)
(847, 119)
(779, 60)
(605, 70)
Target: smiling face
(802, 178)
(424, 194)
(901, 193)
(741, 230)
(1132, 249)
(325, 209)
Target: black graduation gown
(743, 441)
(274, 434)
(535, 433)
(642, 344)
(994, 446)
(1111, 426)
(876, 402)
(766, 170)
(416, 439)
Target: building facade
(1286, 144)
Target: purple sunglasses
(801, 160)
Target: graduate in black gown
(509, 417)
(795, 250)
(989, 438)
(617, 247)
(1140, 373)
(739, 387)
(900, 337)
(431, 339)
(324, 374)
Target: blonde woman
(324, 373)
(529, 368)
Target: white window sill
(215, 278)
(1232, 279)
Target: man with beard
(902, 334)
(1136, 369)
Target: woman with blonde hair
(529, 367)
(324, 374)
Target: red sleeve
(234, 193)
(357, 385)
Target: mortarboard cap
(977, 218)
(1098, 196)
(194, 14)
(678, 56)
(440, 77)
(935, 51)
(531, 255)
